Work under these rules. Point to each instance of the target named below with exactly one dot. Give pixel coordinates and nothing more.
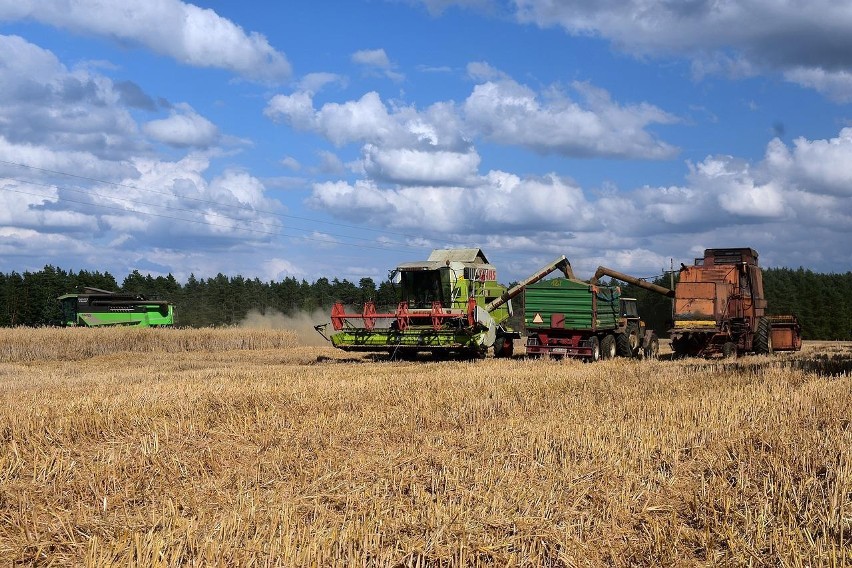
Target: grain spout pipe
(604, 271)
(560, 263)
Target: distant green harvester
(97, 308)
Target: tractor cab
(629, 308)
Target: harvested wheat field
(242, 447)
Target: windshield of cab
(421, 288)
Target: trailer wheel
(729, 350)
(763, 337)
(596, 348)
(608, 347)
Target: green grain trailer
(100, 308)
(571, 318)
(566, 317)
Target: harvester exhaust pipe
(560, 263)
(604, 271)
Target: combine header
(99, 308)
(449, 305)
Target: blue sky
(275, 139)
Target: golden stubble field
(245, 448)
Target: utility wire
(211, 202)
(259, 231)
(173, 208)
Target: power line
(174, 208)
(212, 202)
(259, 231)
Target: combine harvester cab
(102, 308)
(450, 305)
(720, 308)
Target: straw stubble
(243, 447)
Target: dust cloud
(301, 322)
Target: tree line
(822, 301)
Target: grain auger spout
(560, 263)
(604, 271)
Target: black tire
(729, 350)
(622, 345)
(628, 343)
(608, 347)
(763, 337)
(596, 348)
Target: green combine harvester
(450, 305)
(100, 308)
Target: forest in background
(821, 301)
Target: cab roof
(470, 257)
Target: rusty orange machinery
(720, 307)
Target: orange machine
(720, 308)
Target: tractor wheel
(608, 347)
(652, 350)
(596, 348)
(763, 337)
(729, 350)
(627, 343)
(622, 344)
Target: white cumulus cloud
(377, 60)
(435, 145)
(372, 57)
(409, 165)
(795, 195)
(497, 200)
(836, 85)
(189, 34)
(43, 103)
(510, 113)
(183, 128)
